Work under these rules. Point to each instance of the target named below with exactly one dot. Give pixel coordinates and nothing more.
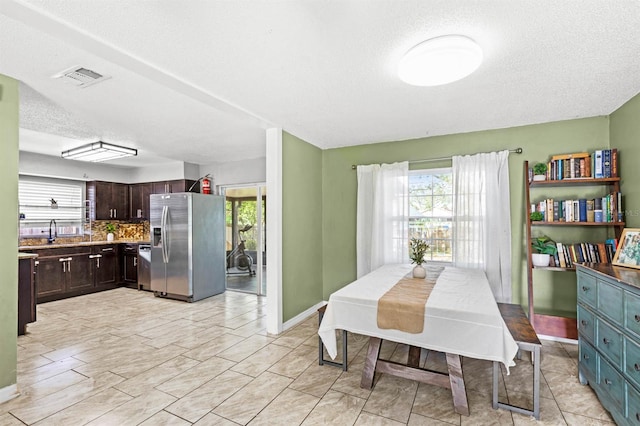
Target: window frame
(434, 171)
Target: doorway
(246, 238)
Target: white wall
(237, 172)
(46, 165)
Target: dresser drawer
(611, 384)
(586, 324)
(586, 288)
(632, 312)
(610, 301)
(588, 363)
(609, 342)
(633, 405)
(632, 360)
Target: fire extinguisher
(206, 186)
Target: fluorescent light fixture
(99, 151)
(440, 60)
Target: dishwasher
(144, 267)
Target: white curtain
(382, 216)
(482, 220)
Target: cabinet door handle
(637, 317)
(135, 261)
(98, 262)
(69, 265)
(606, 341)
(115, 213)
(107, 249)
(607, 382)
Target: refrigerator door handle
(163, 233)
(167, 241)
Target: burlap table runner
(402, 307)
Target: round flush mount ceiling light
(440, 60)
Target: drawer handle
(606, 341)
(584, 322)
(607, 382)
(638, 417)
(637, 317)
(585, 288)
(636, 366)
(585, 356)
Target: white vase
(419, 271)
(539, 259)
(109, 236)
(539, 177)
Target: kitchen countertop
(81, 244)
(27, 255)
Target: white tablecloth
(461, 315)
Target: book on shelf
(597, 164)
(606, 163)
(571, 253)
(601, 163)
(605, 209)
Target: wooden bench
(527, 340)
(321, 359)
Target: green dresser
(609, 337)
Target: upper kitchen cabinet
(171, 186)
(139, 200)
(110, 200)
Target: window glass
(431, 211)
(42, 200)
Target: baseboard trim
(302, 316)
(9, 392)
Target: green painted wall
(301, 226)
(555, 293)
(625, 136)
(8, 230)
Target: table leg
(458, 390)
(369, 369)
(414, 356)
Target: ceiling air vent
(80, 76)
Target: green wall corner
(8, 231)
(301, 226)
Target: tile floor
(124, 357)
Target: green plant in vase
(418, 249)
(543, 248)
(111, 229)
(540, 172)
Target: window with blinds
(42, 200)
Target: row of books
(602, 163)
(605, 209)
(569, 254)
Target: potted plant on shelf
(418, 250)
(543, 247)
(110, 228)
(540, 172)
(536, 216)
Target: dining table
(460, 318)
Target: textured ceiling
(199, 81)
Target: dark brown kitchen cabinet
(105, 265)
(139, 200)
(26, 292)
(62, 272)
(109, 200)
(171, 186)
(130, 264)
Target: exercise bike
(242, 261)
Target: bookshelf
(548, 324)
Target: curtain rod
(427, 160)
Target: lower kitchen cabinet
(26, 292)
(130, 264)
(72, 271)
(105, 265)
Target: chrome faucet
(55, 231)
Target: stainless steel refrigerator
(187, 245)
